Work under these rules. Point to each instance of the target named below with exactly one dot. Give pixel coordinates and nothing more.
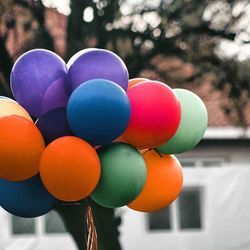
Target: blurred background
(203, 46)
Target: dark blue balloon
(54, 124)
(98, 111)
(27, 198)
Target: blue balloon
(53, 125)
(98, 111)
(27, 198)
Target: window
(159, 220)
(23, 225)
(201, 162)
(54, 223)
(187, 163)
(47, 224)
(185, 213)
(212, 163)
(189, 205)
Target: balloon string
(90, 233)
(70, 203)
(144, 151)
(157, 152)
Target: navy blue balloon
(98, 111)
(54, 124)
(27, 198)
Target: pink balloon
(155, 114)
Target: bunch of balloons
(84, 129)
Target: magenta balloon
(96, 64)
(38, 81)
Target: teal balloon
(123, 175)
(193, 124)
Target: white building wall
(225, 204)
(225, 211)
(225, 215)
(37, 241)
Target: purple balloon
(38, 81)
(76, 55)
(96, 64)
(53, 125)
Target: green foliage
(190, 30)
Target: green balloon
(123, 175)
(192, 126)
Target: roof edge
(229, 132)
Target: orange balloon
(134, 81)
(163, 184)
(21, 146)
(10, 107)
(70, 168)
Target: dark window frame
(24, 224)
(201, 191)
(176, 220)
(169, 227)
(50, 229)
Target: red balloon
(155, 115)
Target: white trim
(174, 216)
(40, 226)
(227, 133)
